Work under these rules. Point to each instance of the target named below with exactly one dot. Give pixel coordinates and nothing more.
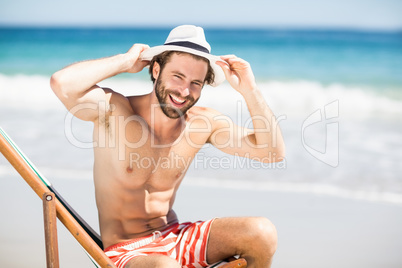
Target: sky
(358, 14)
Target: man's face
(178, 87)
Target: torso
(137, 173)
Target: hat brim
(153, 51)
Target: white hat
(190, 39)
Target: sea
(337, 95)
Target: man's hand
(136, 65)
(238, 73)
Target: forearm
(76, 79)
(266, 136)
(267, 133)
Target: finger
(238, 64)
(145, 63)
(225, 67)
(234, 61)
(145, 47)
(222, 63)
(227, 58)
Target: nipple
(129, 169)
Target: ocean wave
(33, 92)
(299, 99)
(368, 144)
(291, 98)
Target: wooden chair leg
(239, 263)
(25, 169)
(49, 216)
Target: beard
(169, 110)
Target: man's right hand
(134, 53)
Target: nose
(184, 91)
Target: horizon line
(209, 27)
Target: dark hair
(164, 58)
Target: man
(137, 223)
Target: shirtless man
(134, 202)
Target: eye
(198, 84)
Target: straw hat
(190, 39)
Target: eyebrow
(181, 74)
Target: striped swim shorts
(185, 242)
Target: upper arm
(228, 136)
(237, 140)
(88, 105)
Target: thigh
(234, 236)
(152, 261)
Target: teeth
(178, 100)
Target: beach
(314, 230)
(336, 199)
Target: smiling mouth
(177, 100)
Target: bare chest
(140, 160)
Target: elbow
(279, 156)
(55, 83)
(58, 87)
(279, 152)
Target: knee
(263, 234)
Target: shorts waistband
(141, 241)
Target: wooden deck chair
(81, 231)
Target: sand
(314, 230)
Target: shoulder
(117, 101)
(207, 116)
(198, 111)
(114, 96)
(208, 123)
(114, 104)
(199, 114)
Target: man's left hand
(238, 73)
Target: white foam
(368, 152)
(301, 98)
(33, 92)
(294, 99)
(27, 92)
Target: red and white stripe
(186, 242)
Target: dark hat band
(188, 45)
